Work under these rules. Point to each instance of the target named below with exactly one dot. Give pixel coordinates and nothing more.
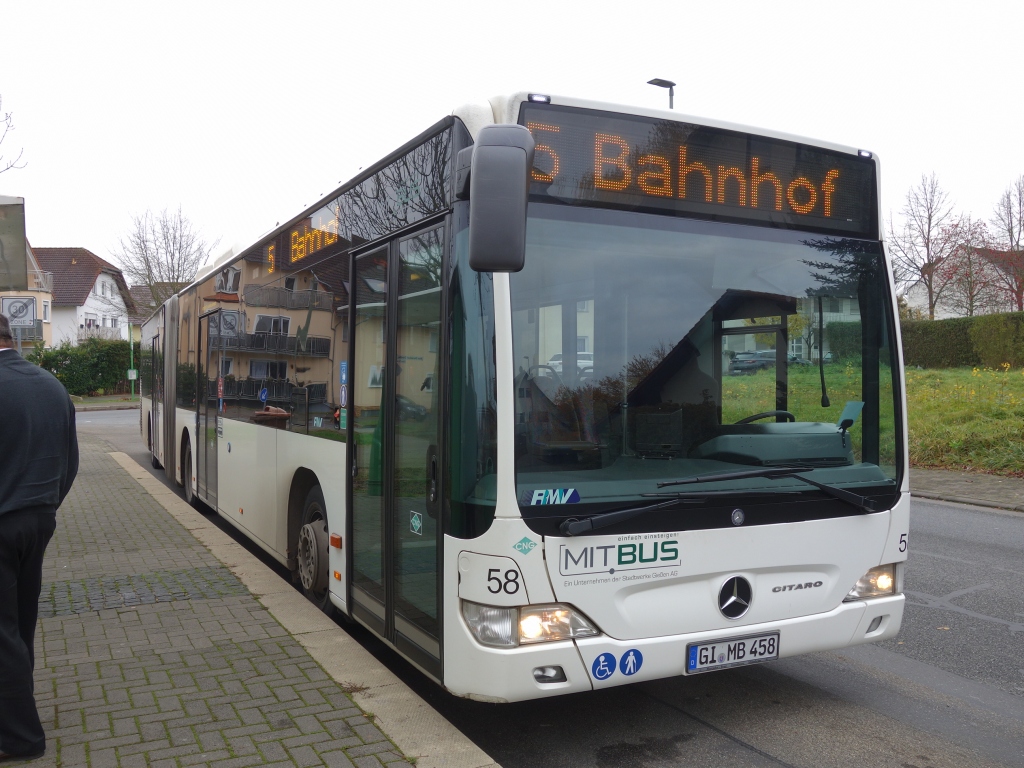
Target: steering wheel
(538, 368)
(787, 416)
(545, 371)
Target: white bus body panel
(327, 460)
(660, 615)
(794, 569)
(247, 489)
(255, 469)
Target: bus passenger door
(207, 403)
(156, 417)
(395, 435)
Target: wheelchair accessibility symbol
(603, 666)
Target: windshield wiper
(573, 526)
(862, 503)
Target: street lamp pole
(665, 84)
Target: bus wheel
(186, 477)
(313, 552)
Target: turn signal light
(336, 540)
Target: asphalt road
(948, 691)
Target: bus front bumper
(506, 675)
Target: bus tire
(186, 476)
(313, 552)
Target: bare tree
(162, 252)
(1008, 217)
(6, 126)
(921, 244)
(972, 283)
(1006, 253)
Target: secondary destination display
(600, 158)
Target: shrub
(939, 343)
(94, 365)
(844, 340)
(999, 339)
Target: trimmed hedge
(983, 340)
(93, 365)
(844, 340)
(939, 343)
(999, 339)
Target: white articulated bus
(561, 395)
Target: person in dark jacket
(38, 463)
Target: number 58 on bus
(493, 399)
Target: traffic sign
(20, 310)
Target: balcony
(278, 390)
(32, 332)
(275, 296)
(98, 332)
(40, 281)
(315, 346)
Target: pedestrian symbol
(631, 662)
(603, 666)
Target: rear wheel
(186, 477)
(313, 551)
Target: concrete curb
(83, 408)
(412, 724)
(963, 500)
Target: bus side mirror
(499, 184)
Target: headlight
(878, 582)
(510, 627)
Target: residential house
(90, 296)
(35, 306)
(146, 304)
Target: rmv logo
(555, 496)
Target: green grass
(959, 418)
(744, 396)
(962, 418)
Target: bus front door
(395, 432)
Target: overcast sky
(244, 113)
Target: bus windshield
(649, 349)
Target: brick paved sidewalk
(150, 652)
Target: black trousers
(24, 535)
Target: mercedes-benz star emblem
(734, 599)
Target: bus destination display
(600, 158)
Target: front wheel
(313, 552)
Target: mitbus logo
(609, 558)
(555, 496)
